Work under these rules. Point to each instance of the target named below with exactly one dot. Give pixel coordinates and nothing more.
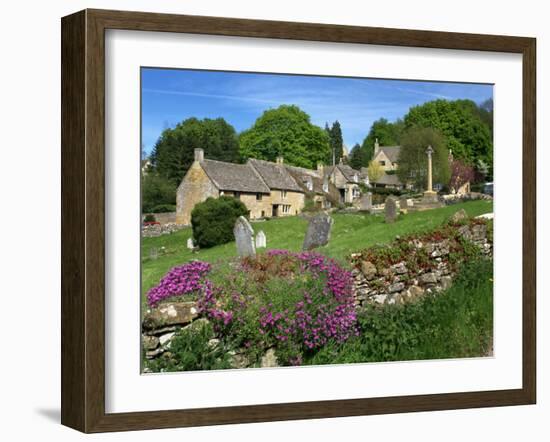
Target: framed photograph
(267, 221)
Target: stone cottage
(267, 189)
(347, 180)
(388, 158)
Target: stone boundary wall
(163, 218)
(398, 283)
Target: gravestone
(365, 203)
(390, 209)
(403, 203)
(261, 241)
(244, 237)
(318, 231)
(190, 244)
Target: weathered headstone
(190, 243)
(365, 203)
(261, 241)
(244, 237)
(459, 216)
(318, 231)
(403, 203)
(390, 209)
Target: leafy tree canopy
(173, 153)
(286, 131)
(413, 160)
(156, 191)
(375, 171)
(460, 121)
(388, 134)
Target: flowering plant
(181, 280)
(295, 302)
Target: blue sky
(172, 95)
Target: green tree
(357, 157)
(459, 121)
(336, 142)
(388, 134)
(286, 131)
(374, 171)
(156, 191)
(173, 153)
(413, 160)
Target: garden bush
(149, 218)
(164, 208)
(213, 220)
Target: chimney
(199, 155)
(376, 146)
(320, 168)
(279, 160)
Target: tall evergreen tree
(336, 141)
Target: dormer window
(355, 178)
(325, 187)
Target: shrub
(156, 190)
(149, 218)
(164, 208)
(295, 302)
(454, 324)
(213, 220)
(191, 348)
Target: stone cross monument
(429, 194)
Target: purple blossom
(181, 280)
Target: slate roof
(302, 175)
(234, 177)
(392, 152)
(274, 175)
(348, 172)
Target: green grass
(457, 323)
(351, 232)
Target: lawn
(350, 232)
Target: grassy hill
(350, 232)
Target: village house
(268, 189)
(387, 157)
(316, 185)
(347, 180)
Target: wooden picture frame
(83, 220)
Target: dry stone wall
(428, 264)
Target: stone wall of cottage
(195, 188)
(398, 283)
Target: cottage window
(259, 197)
(283, 194)
(355, 178)
(286, 208)
(382, 163)
(237, 195)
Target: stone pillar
(429, 194)
(429, 152)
